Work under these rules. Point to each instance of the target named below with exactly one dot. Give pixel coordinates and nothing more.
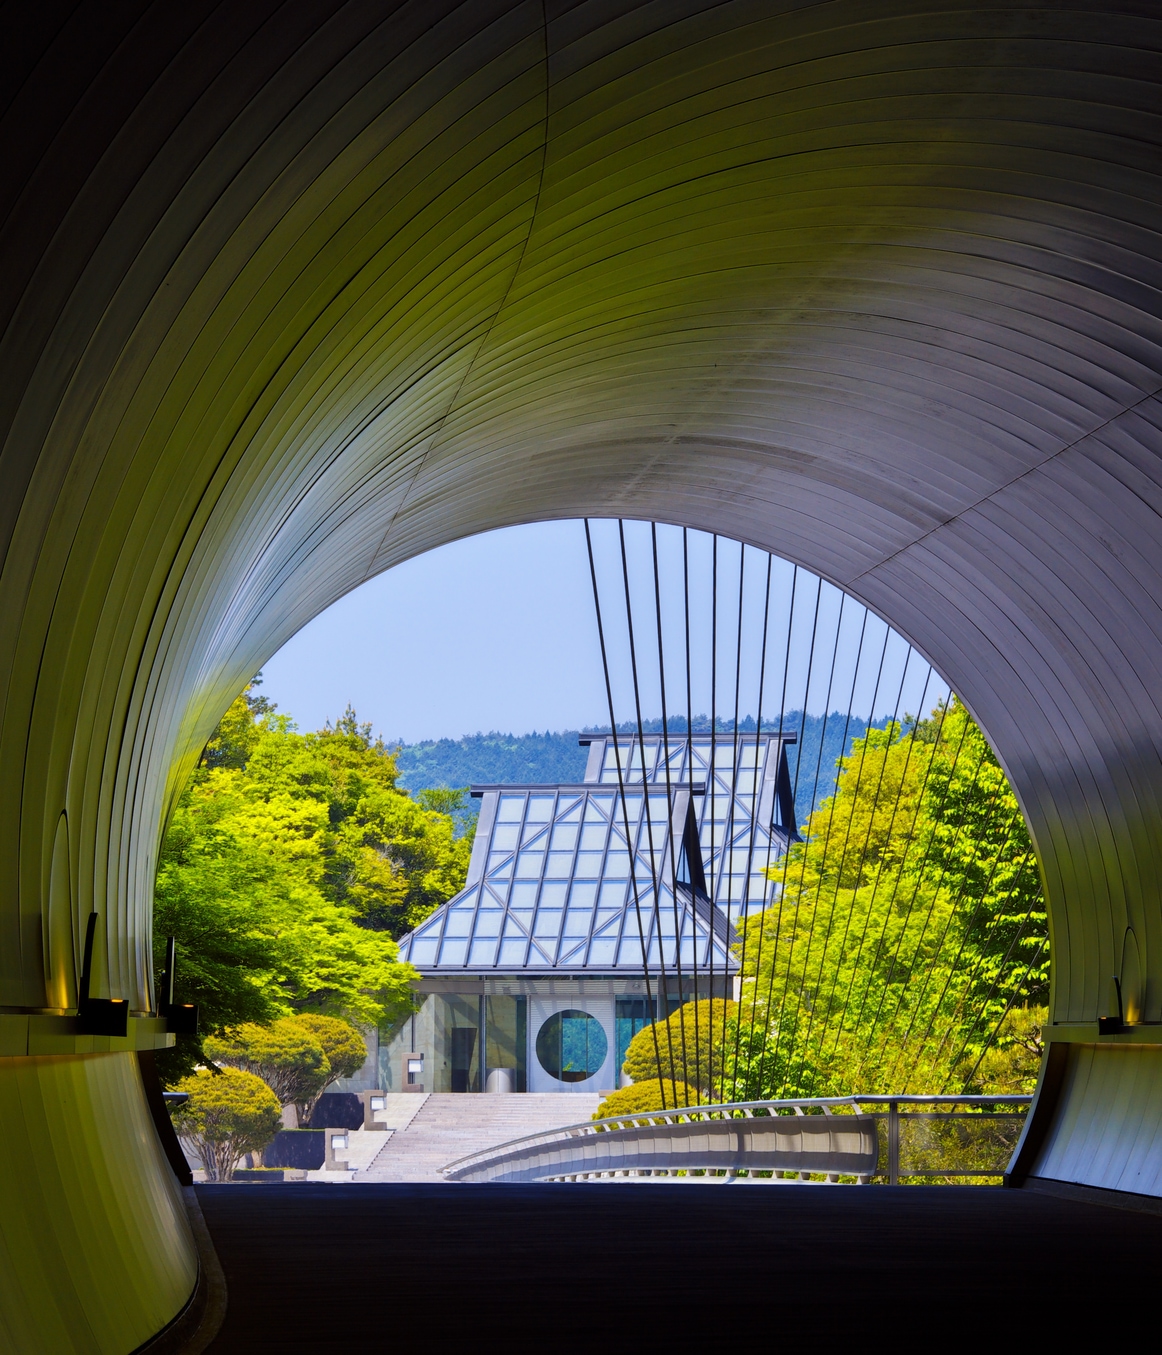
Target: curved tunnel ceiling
(293, 292)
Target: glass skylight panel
(488, 922)
(553, 894)
(499, 866)
(422, 952)
(458, 922)
(593, 837)
(577, 922)
(602, 951)
(482, 953)
(589, 865)
(541, 808)
(548, 923)
(524, 895)
(564, 837)
(511, 809)
(512, 952)
(529, 865)
(584, 892)
(504, 837)
(452, 951)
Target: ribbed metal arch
(294, 292)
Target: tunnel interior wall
(95, 1250)
(293, 292)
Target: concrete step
(446, 1127)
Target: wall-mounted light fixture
(98, 1015)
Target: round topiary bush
(647, 1095)
(229, 1114)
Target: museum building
(532, 975)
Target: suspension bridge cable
(989, 931)
(847, 838)
(689, 764)
(867, 844)
(993, 988)
(883, 855)
(668, 838)
(728, 840)
(827, 836)
(1004, 1015)
(712, 789)
(803, 870)
(918, 1005)
(632, 845)
(770, 840)
(875, 1022)
(621, 791)
(960, 950)
(787, 854)
(755, 804)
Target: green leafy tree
(289, 863)
(345, 1048)
(286, 1055)
(906, 924)
(647, 1095)
(228, 1114)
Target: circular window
(571, 1046)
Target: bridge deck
(589, 1267)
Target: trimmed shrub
(647, 1095)
(345, 1048)
(287, 1056)
(689, 1045)
(229, 1114)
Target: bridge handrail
(724, 1110)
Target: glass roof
(550, 888)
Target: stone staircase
(449, 1126)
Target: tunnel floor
(564, 1268)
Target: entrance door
(461, 1048)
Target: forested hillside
(556, 756)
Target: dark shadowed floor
(615, 1267)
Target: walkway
(447, 1127)
(564, 1269)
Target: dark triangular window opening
(691, 871)
(784, 820)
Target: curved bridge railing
(816, 1138)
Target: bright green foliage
(345, 1048)
(290, 862)
(648, 1095)
(229, 1114)
(690, 1046)
(1013, 1060)
(287, 1056)
(906, 924)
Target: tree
(647, 1095)
(287, 1056)
(906, 923)
(288, 863)
(229, 1114)
(345, 1048)
(689, 1047)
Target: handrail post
(893, 1143)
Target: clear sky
(499, 632)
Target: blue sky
(499, 631)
